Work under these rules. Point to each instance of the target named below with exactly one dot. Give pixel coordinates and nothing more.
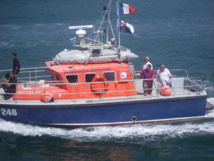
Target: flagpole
(110, 25)
(118, 26)
(108, 18)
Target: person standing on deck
(163, 77)
(148, 76)
(16, 65)
(146, 62)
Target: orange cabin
(79, 81)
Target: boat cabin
(80, 81)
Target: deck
(182, 87)
(178, 91)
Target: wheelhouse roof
(84, 68)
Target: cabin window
(72, 78)
(89, 77)
(57, 77)
(109, 75)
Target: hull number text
(8, 112)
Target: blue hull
(106, 113)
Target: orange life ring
(100, 84)
(47, 97)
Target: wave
(31, 35)
(210, 89)
(211, 100)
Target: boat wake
(133, 133)
(211, 100)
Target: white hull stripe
(129, 122)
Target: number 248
(11, 112)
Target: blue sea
(178, 33)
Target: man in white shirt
(146, 60)
(163, 76)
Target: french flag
(125, 9)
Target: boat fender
(99, 87)
(166, 90)
(47, 97)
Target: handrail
(187, 76)
(30, 76)
(28, 73)
(34, 71)
(171, 70)
(21, 69)
(175, 90)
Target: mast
(118, 26)
(109, 29)
(108, 19)
(109, 25)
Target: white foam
(149, 132)
(146, 132)
(211, 100)
(210, 113)
(210, 88)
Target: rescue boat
(94, 85)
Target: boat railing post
(29, 76)
(101, 94)
(102, 90)
(156, 90)
(130, 89)
(187, 75)
(45, 87)
(36, 73)
(189, 87)
(173, 91)
(75, 93)
(16, 99)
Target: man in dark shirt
(148, 76)
(8, 85)
(16, 65)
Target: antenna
(80, 27)
(80, 33)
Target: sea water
(177, 33)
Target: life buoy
(100, 84)
(47, 97)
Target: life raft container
(99, 84)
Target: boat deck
(178, 92)
(182, 87)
